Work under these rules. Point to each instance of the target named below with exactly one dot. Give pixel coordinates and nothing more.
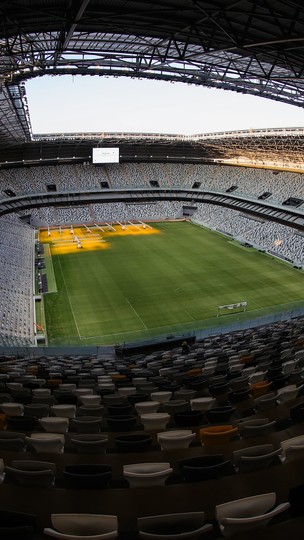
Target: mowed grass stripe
(170, 280)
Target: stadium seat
(87, 476)
(155, 421)
(173, 526)
(249, 513)
(54, 424)
(50, 443)
(82, 526)
(204, 467)
(292, 448)
(31, 473)
(89, 443)
(133, 442)
(147, 474)
(181, 438)
(15, 525)
(188, 418)
(12, 441)
(256, 427)
(255, 457)
(217, 434)
(86, 424)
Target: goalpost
(228, 308)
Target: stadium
(151, 284)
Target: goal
(232, 308)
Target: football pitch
(132, 284)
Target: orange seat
(259, 388)
(118, 377)
(247, 358)
(54, 382)
(217, 434)
(194, 372)
(3, 423)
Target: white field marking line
(69, 299)
(186, 289)
(274, 289)
(191, 317)
(166, 325)
(115, 334)
(51, 259)
(139, 318)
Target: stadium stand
(16, 282)
(250, 182)
(78, 479)
(273, 237)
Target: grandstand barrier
(13, 351)
(171, 341)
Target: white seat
(147, 474)
(178, 438)
(249, 513)
(83, 527)
(54, 424)
(155, 421)
(292, 447)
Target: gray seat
(37, 409)
(89, 443)
(86, 424)
(12, 440)
(256, 427)
(255, 457)
(173, 526)
(32, 473)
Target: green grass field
(146, 285)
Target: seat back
(83, 525)
(174, 526)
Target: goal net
(231, 308)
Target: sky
(68, 104)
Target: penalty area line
(138, 316)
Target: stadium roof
(253, 47)
(274, 148)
